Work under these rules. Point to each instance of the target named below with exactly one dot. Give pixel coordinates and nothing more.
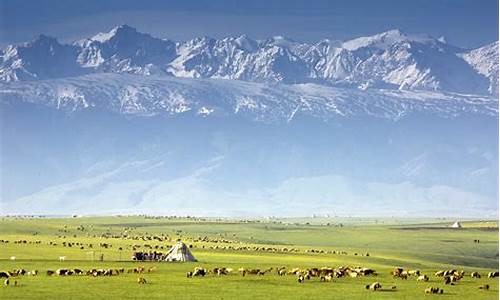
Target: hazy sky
(466, 23)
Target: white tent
(179, 252)
(456, 225)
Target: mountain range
(122, 122)
(389, 60)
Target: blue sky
(466, 23)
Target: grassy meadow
(427, 245)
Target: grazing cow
(50, 272)
(423, 278)
(448, 272)
(17, 272)
(294, 271)
(61, 272)
(78, 271)
(374, 286)
(439, 273)
(141, 280)
(366, 271)
(475, 275)
(397, 272)
(62, 258)
(484, 287)
(492, 274)
(198, 271)
(222, 271)
(300, 279)
(138, 270)
(433, 290)
(251, 272)
(414, 272)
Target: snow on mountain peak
(384, 40)
(246, 43)
(123, 29)
(391, 59)
(485, 61)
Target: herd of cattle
(327, 274)
(323, 274)
(220, 242)
(76, 272)
(213, 244)
(94, 272)
(301, 275)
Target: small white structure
(456, 225)
(179, 252)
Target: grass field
(426, 245)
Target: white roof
(179, 252)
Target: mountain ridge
(390, 60)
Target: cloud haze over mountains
(123, 122)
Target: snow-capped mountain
(123, 122)
(485, 61)
(124, 50)
(42, 58)
(391, 60)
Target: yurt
(456, 225)
(179, 252)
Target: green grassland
(427, 245)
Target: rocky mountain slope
(391, 60)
